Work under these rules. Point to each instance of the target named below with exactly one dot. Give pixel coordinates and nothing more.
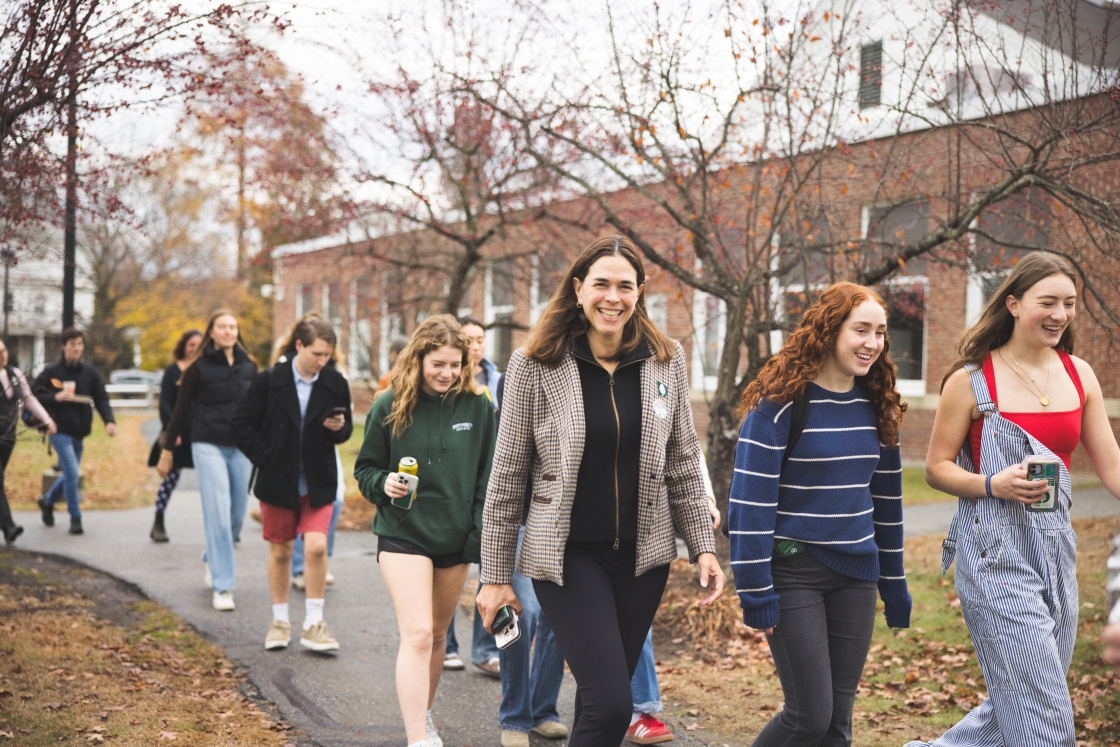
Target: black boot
(158, 534)
(47, 509)
(76, 526)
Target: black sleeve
(182, 405)
(499, 392)
(248, 422)
(168, 389)
(101, 399)
(42, 388)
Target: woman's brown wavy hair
(562, 321)
(432, 334)
(785, 375)
(994, 326)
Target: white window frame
(915, 387)
(536, 308)
(389, 325)
(658, 302)
(358, 338)
(491, 312)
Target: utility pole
(69, 245)
(8, 254)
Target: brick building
(878, 192)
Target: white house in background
(35, 322)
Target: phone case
(509, 633)
(407, 501)
(1049, 470)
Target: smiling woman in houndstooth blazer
(597, 414)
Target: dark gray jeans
(819, 647)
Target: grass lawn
(72, 675)
(116, 469)
(717, 676)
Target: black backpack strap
(798, 416)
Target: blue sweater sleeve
(886, 496)
(753, 511)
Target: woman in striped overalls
(1018, 391)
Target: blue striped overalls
(1017, 583)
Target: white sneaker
(298, 582)
(453, 662)
(207, 576)
(330, 578)
(431, 735)
(223, 601)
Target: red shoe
(648, 730)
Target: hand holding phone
(506, 627)
(410, 482)
(337, 419)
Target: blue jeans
(644, 688)
(69, 450)
(297, 544)
(223, 480)
(529, 693)
(483, 647)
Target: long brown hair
(562, 321)
(994, 326)
(207, 339)
(785, 375)
(180, 351)
(434, 332)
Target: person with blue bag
(1013, 408)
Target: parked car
(135, 376)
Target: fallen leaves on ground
(717, 674)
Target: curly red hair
(785, 375)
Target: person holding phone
(437, 422)
(597, 415)
(1017, 391)
(288, 425)
(815, 518)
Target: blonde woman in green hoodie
(433, 413)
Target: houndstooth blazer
(541, 433)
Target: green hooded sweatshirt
(452, 440)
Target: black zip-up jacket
(606, 500)
(168, 396)
(209, 394)
(265, 427)
(72, 418)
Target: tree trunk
(723, 425)
(460, 278)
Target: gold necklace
(1042, 399)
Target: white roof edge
(349, 235)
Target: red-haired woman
(816, 528)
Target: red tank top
(1058, 431)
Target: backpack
(798, 416)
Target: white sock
(634, 718)
(280, 613)
(312, 612)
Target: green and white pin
(662, 390)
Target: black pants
(600, 617)
(7, 443)
(819, 647)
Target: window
(906, 300)
(498, 315)
(870, 74)
(657, 310)
(392, 320)
(548, 270)
(1003, 234)
(361, 332)
(305, 299)
(332, 303)
(709, 324)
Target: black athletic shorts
(388, 544)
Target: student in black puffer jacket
(212, 385)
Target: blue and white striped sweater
(840, 494)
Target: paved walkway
(344, 700)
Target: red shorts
(283, 524)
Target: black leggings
(7, 443)
(600, 618)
